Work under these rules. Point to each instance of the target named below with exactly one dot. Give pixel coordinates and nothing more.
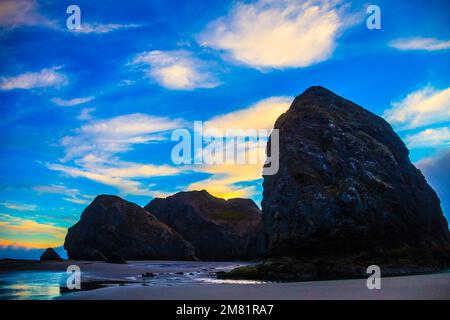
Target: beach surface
(432, 286)
(185, 280)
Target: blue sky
(90, 111)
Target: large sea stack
(111, 227)
(218, 229)
(346, 196)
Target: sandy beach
(433, 286)
(189, 280)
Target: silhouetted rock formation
(346, 196)
(218, 229)
(50, 255)
(346, 186)
(112, 229)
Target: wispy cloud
(15, 231)
(261, 115)
(119, 175)
(226, 178)
(70, 194)
(278, 34)
(85, 114)
(98, 28)
(15, 13)
(72, 102)
(95, 148)
(19, 206)
(422, 107)
(418, 43)
(50, 77)
(105, 137)
(429, 138)
(177, 70)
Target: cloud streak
(15, 13)
(226, 178)
(438, 137)
(71, 195)
(19, 206)
(261, 115)
(420, 108)
(15, 231)
(99, 28)
(119, 175)
(95, 148)
(105, 137)
(419, 43)
(72, 102)
(49, 77)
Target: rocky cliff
(346, 196)
(111, 227)
(218, 229)
(346, 186)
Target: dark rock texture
(218, 229)
(50, 255)
(347, 188)
(115, 258)
(112, 229)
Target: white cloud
(71, 195)
(103, 28)
(278, 34)
(38, 235)
(72, 102)
(422, 107)
(85, 114)
(427, 44)
(77, 200)
(119, 175)
(226, 178)
(94, 148)
(177, 70)
(106, 137)
(22, 12)
(429, 138)
(19, 206)
(14, 13)
(261, 115)
(45, 78)
(56, 189)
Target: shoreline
(185, 280)
(419, 287)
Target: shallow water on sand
(24, 285)
(37, 285)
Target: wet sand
(182, 280)
(431, 286)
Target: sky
(91, 111)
